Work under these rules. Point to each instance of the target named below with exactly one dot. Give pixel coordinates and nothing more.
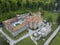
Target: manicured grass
(45, 16)
(26, 41)
(18, 36)
(3, 40)
(41, 42)
(56, 40)
(54, 16)
(48, 14)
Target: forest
(9, 8)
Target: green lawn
(56, 40)
(18, 36)
(26, 41)
(3, 40)
(48, 14)
(41, 42)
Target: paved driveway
(52, 36)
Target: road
(12, 42)
(33, 40)
(52, 36)
(30, 32)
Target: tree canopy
(13, 5)
(7, 5)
